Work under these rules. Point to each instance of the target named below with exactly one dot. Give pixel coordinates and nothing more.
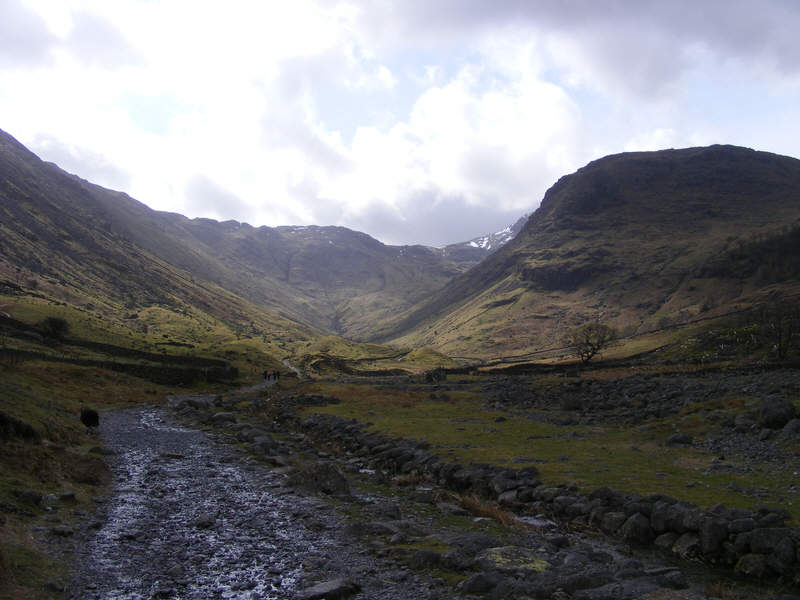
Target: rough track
(190, 518)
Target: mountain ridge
(640, 240)
(623, 238)
(331, 278)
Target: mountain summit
(640, 240)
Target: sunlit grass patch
(634, 459)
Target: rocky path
(191, 518)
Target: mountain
(472, 252)
(80, 241)
(640, 240)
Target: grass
(48, 397)
(462, 429)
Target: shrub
(54, 328)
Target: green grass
(48, 396)
(632, 459)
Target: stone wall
(755, 543)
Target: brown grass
(484, 508)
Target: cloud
(96, 41)
(25, 39)
(88, 164)
(432, 220)
(386, 116)
(641, 47)
(204, 197)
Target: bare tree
(589, 339)
(779, 324)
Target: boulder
(687, 545)
(752, 565)
(205, 521)
(330, 590)
(712, 533)
(665, 541)
(28, 496)
(472, 543)
(612, 521)
(680, 439)
(637, 529)
(479, 583)
(776, 413)
(765, 540)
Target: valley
(438, 381)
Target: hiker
(266, 375)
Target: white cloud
(382, 115)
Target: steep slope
(70, 235)
(641, 240)
(108, 255)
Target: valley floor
(191, 518)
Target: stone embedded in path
(205, 521)
(330, 590)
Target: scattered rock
(28, 496)
(479, 583)
(330, 590)
(680, 439)
(205, 521)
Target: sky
(415, 121)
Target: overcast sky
(416, 121)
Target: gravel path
(191, 518)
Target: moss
(515, 558)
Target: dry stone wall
(757, 543)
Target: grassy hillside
(641, 241)
(66, 234)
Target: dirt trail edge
(192, 518)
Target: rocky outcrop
(756, 543)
